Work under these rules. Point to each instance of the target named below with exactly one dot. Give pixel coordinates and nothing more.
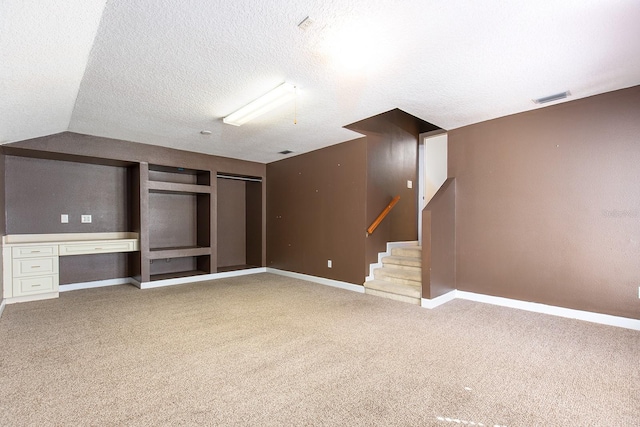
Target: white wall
(435, 165)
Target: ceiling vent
(552, 98)
(285, 152)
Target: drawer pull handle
(35, 266)
(35, 252)
(98, 249)
(35, 286)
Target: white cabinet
(30, 262)
(30, 270)
(98, 247)
(23, 286)
(34, 251)
(35, 266)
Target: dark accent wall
(439, 242)
(87, 268)
(316, 212)
(39, 190)
(232, 222)
(254, 202)
(548, 204)
(172, 220)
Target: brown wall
(548, 204)
(316, 212)
(254, 202)
(392, 160)
(321, 203)
(232, 223)
(172, 220)
(38, 191)
(439, 242)
(87, 268)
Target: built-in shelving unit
(178, 204)
(187, 221)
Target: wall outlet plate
(329, 263)
(85, 219)
(64, 218)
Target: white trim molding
(3, 304)
(320, 280)
(570, 313)
(96, 284)
(438, 301)
(201, 278)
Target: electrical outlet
(85, 219)
(329, 263)
(64, 218)
(409, 184)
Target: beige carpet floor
(265, 350)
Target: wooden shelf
(177, 275)
(176, 187)
(180, 252)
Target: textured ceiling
(159, 72)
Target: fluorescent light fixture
(267, 102)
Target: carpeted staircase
(400, 277)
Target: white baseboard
(437, 301)
(3, 304)
(320, 280)
(29, 298)
(390, 245)
(587, 316)
(96, 284)
(201, 278)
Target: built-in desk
(30, 261)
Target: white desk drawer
(35, 266)
(97, 247)
(35, 285)
(34, 251)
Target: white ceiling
(159, 72)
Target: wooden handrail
(382, 215)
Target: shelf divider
(176, 187)
(162, 253)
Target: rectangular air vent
(552, 98)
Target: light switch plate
(409, 184)
(329, 263)
(64, 218)
(85, 219)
